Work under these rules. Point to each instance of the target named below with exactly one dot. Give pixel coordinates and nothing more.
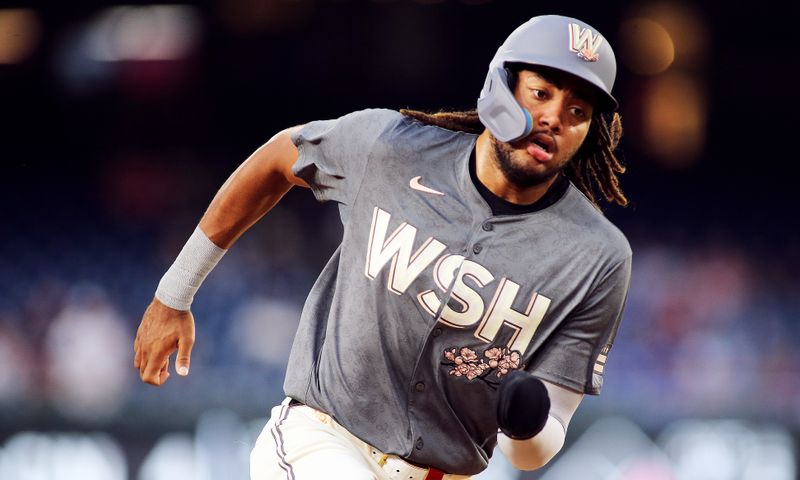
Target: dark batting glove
(522, 405)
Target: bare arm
(252, 190)
(535, 452)
(249, 193)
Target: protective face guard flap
(499, 111)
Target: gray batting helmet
(562, 43)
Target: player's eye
(538, 93)
(578, 113)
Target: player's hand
(522, 405)
(162, 332)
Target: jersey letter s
(447, 269)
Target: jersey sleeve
(575, 356)
(334, 154)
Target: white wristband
(197, 258)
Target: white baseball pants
(301, 443)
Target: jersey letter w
(397, 248)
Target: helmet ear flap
(499, 111)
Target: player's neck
(490, 175)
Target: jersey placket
(421, 379)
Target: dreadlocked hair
(459, 121)
(596, 162)
(594, 165)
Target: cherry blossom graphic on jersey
(467, 363)
(503, 359)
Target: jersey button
(419, 386)
(419, 444)
(477, 248)
(437, 332)
(487, 227)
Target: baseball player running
(477, 289)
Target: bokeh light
(19, 34)
(685, 26)
(664, 44)
(154, 32)
(645, 46)
(674, 119)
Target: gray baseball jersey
(430, 299)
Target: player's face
(561, 109)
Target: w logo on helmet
(584, 42)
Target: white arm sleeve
(535, 452)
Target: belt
(395, 467)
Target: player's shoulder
(399, 123)
(356, 128)
(373, 123)
(600, 231)
(391, 125)
(373, 117)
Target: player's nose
(550, 114)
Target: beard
(517, 168)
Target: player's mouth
(541, 146)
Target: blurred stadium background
(118, 123)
